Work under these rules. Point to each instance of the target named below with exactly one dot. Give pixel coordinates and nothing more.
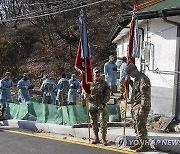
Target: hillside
(49, 44)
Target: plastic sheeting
(46, 113)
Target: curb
(109, 124)
(163, 140)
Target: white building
(159, 43)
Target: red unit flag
(83, 59)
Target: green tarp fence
(46, 113)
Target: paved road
(13, 142)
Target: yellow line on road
(70, 141)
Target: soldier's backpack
(65, 85)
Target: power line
(32, 4)
(40, 9)
(46, 12)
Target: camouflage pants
(123, 111)
(94, 112)
(140, 124)
(2, 111)
(63, 98)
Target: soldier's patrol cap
(131, 67)
(96, 69)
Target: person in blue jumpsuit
(122, 77)
(5, 88)
(5, 93)
(63, 87)
(24, 86)
(83, 96)
(48, 89)
(74, 88)
(110, 69)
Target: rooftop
(163, 4)
(157, 9)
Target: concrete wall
(161, 100)
(162, 37)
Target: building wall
(162, 39)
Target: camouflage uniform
(141, 98)
(100, 94)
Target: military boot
(96, 140)
(136, 146)
(104, 141)
(142, 148)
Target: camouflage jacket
(100, 93)
(141, 93)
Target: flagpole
(125, 110)
(83, 64)
(88, 115)
(132, 60)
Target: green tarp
(46, 113)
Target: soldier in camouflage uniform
(141, 104)
(100, 95)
